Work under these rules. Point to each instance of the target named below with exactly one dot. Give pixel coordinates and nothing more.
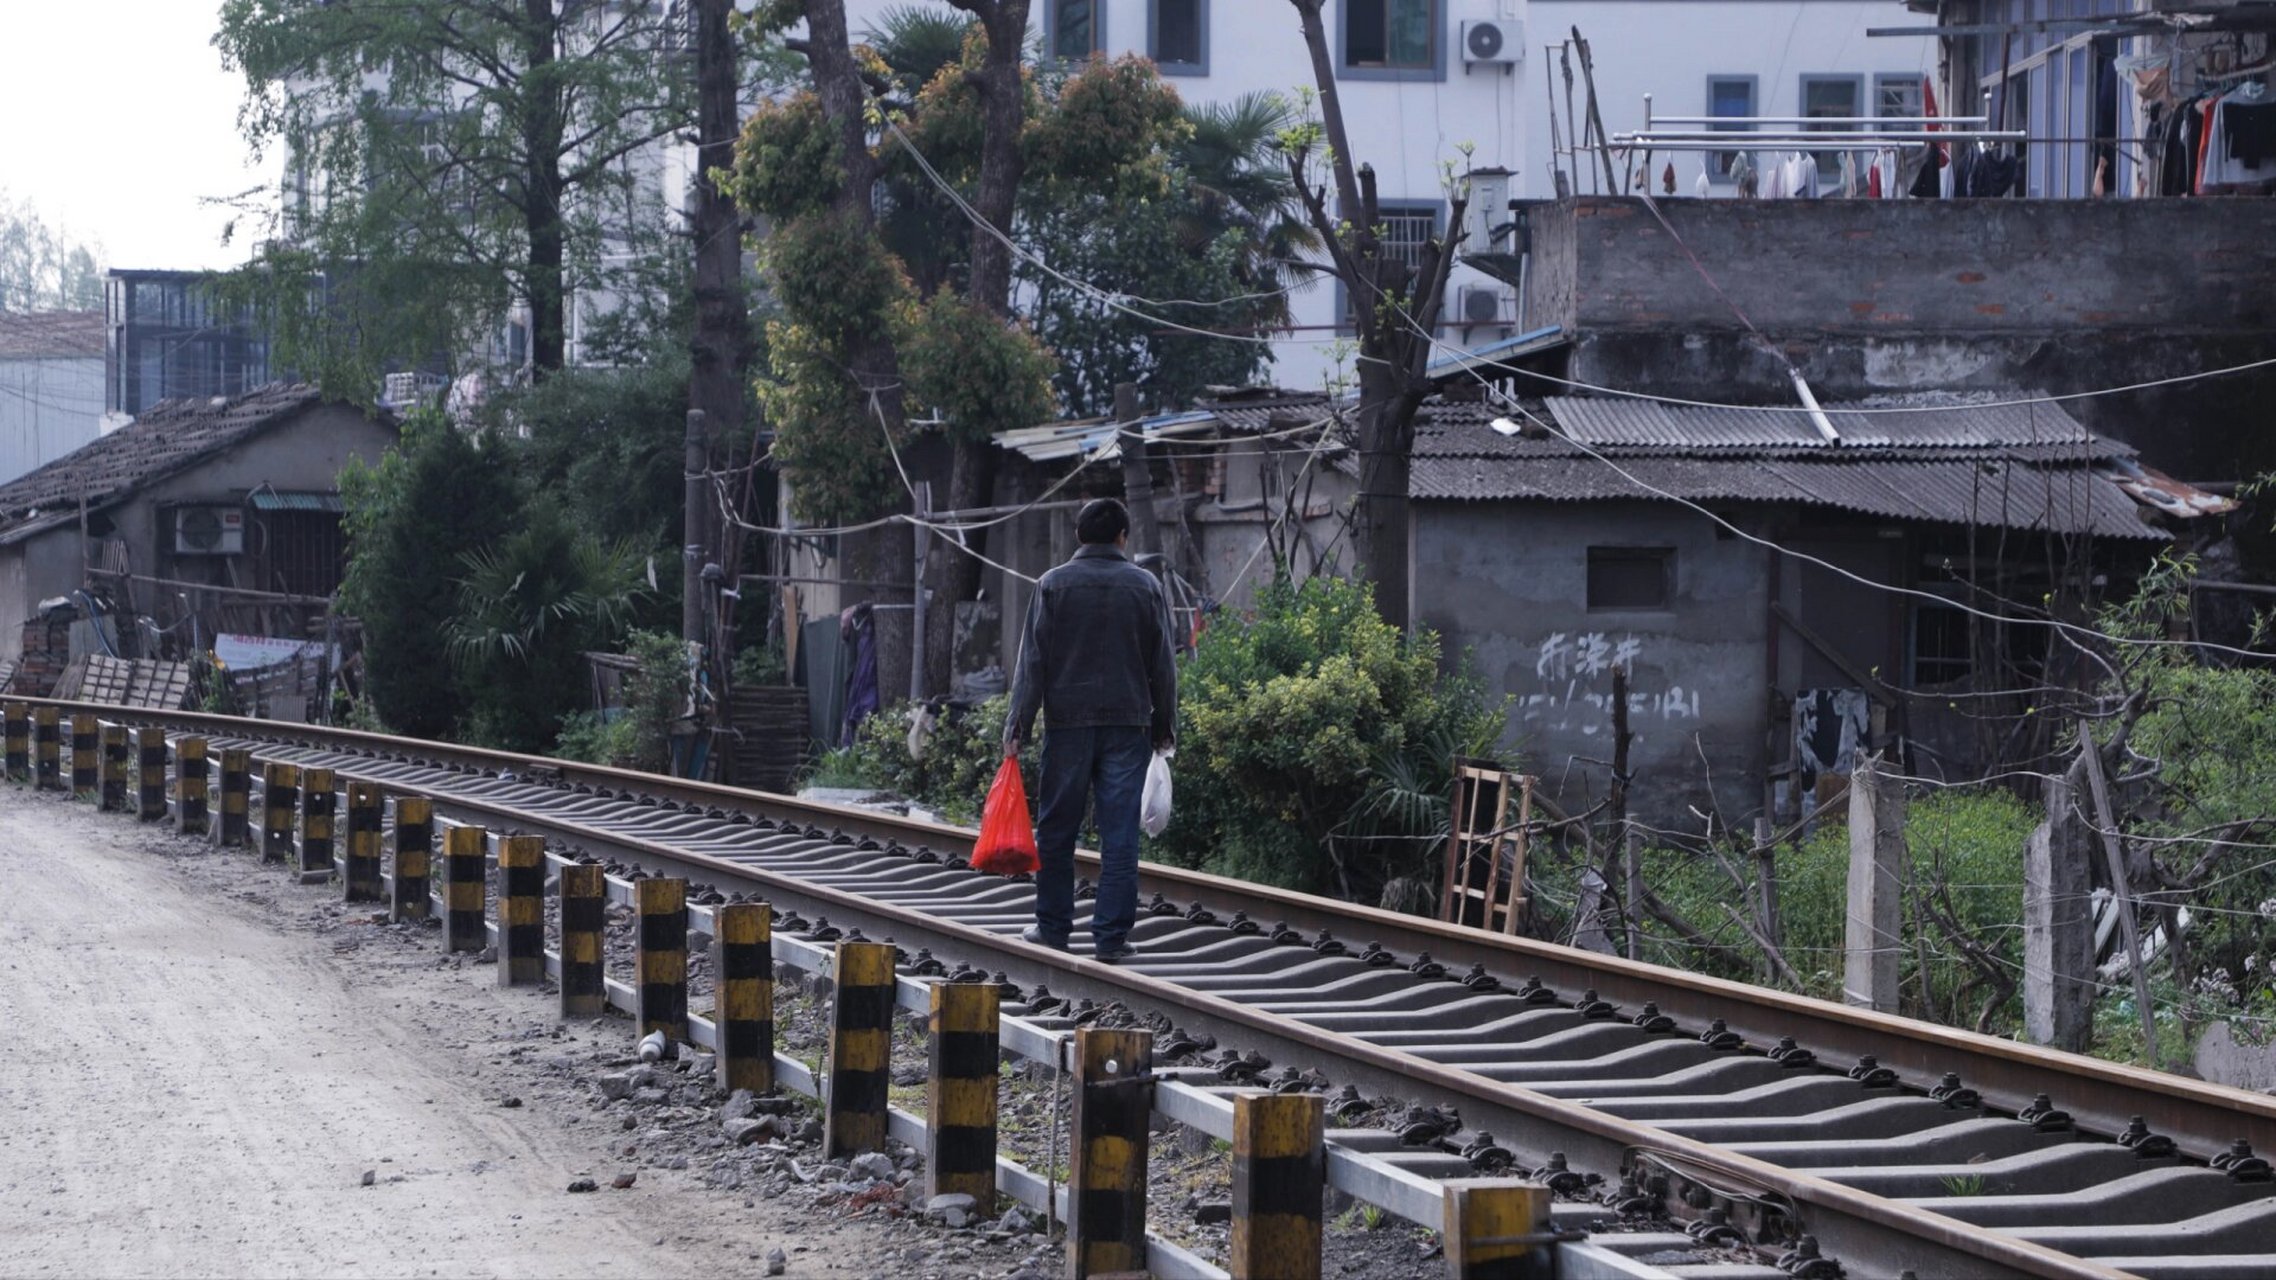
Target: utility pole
(697, 539)
(720, 352)
(1137, 471)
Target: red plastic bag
(1007, 835)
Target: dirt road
(188, 1090)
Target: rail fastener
(743, 1002)
(584, 915)
(190, 787)
(660, 966)
(465, 866)
(1106, 1182)
(235, 830)
(960, 1091)
(150, 750)
(280, 798)
(17, 717)
(414, 859)
(521, 911)
(47, 749)
(861, 1049)
(114, 767)
(365, 875)
(86, 754)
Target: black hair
(1101, 521)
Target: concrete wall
(48, 407)
(1871, 297)
(306, 453)
(1506, 585)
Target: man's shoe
(1034, 933)
(1117, 952)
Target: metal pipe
(1853, 120)
(1725, 136)
(1818, 416)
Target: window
(1630, 577)
(1942, 644)
(1393, 39)
(1073, 29)
(1728, 96)
(1404, 230)
(1837, 98)
(1897, 97)
(1178, 36)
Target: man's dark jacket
(1096, 651)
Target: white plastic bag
(1154, 809)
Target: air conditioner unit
(1481, 304)
(209, 531)
(1499, 41)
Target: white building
(51, 386)
(1432, 87)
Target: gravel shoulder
(201, 1062)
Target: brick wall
(47, 648)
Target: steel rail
(1853, 1224)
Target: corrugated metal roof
(1493, 353)
(1920, 422)
(287, 500)
(1997, 493)
(1097, 437)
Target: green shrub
(1315, 744)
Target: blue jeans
(1107, 767)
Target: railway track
(1759, 1117)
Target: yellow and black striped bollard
(660, 967)
(366, 876)
(319, 824)
(1498, 1229)
(414, 855)
(465, 871)
(280, 801)
(1279, 1174)
(743, 1007)
(150, 745)
(236, 797)
(1106, 1184)
(16, 717)
(47, 748)
(115, 752)
(86, 754)
(960, 1092)
(190, 786)
(584, 914)
(521, 911)
(861, 1049)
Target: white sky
(117, 121)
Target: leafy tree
(529, 605)
(1312, 739)
(42, 268)
(409, 516)
(451, 157)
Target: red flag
(1928, 103)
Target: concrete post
(18, 719)
(1137, 472)
(584, 914)
(1106, 1184)
(660, 966)
(414, 858)
(1498, 1230)
(280, 798)
(150, 743)
(86, 754)
(115, 754)
(960, 1092)
(1279, 1175)
(743, 1003)
(861, 1048)
(521, 911)
(319, 825)
(47, 749)
(236, 797)
(364, 881)
(465, 882)
(1874, 936)
(2058, 925)
(190, 787)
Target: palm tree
(916, 41)
(1238, 180)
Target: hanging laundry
(2251, 131)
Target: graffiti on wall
(1574, 693)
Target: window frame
(1437, 211)
(1830, 171)
(1664, 555)
(1884, 80)
(1439, 40)
(1154, 40)
(1051, 29)
(1719, 162)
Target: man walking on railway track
(1096, 660)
